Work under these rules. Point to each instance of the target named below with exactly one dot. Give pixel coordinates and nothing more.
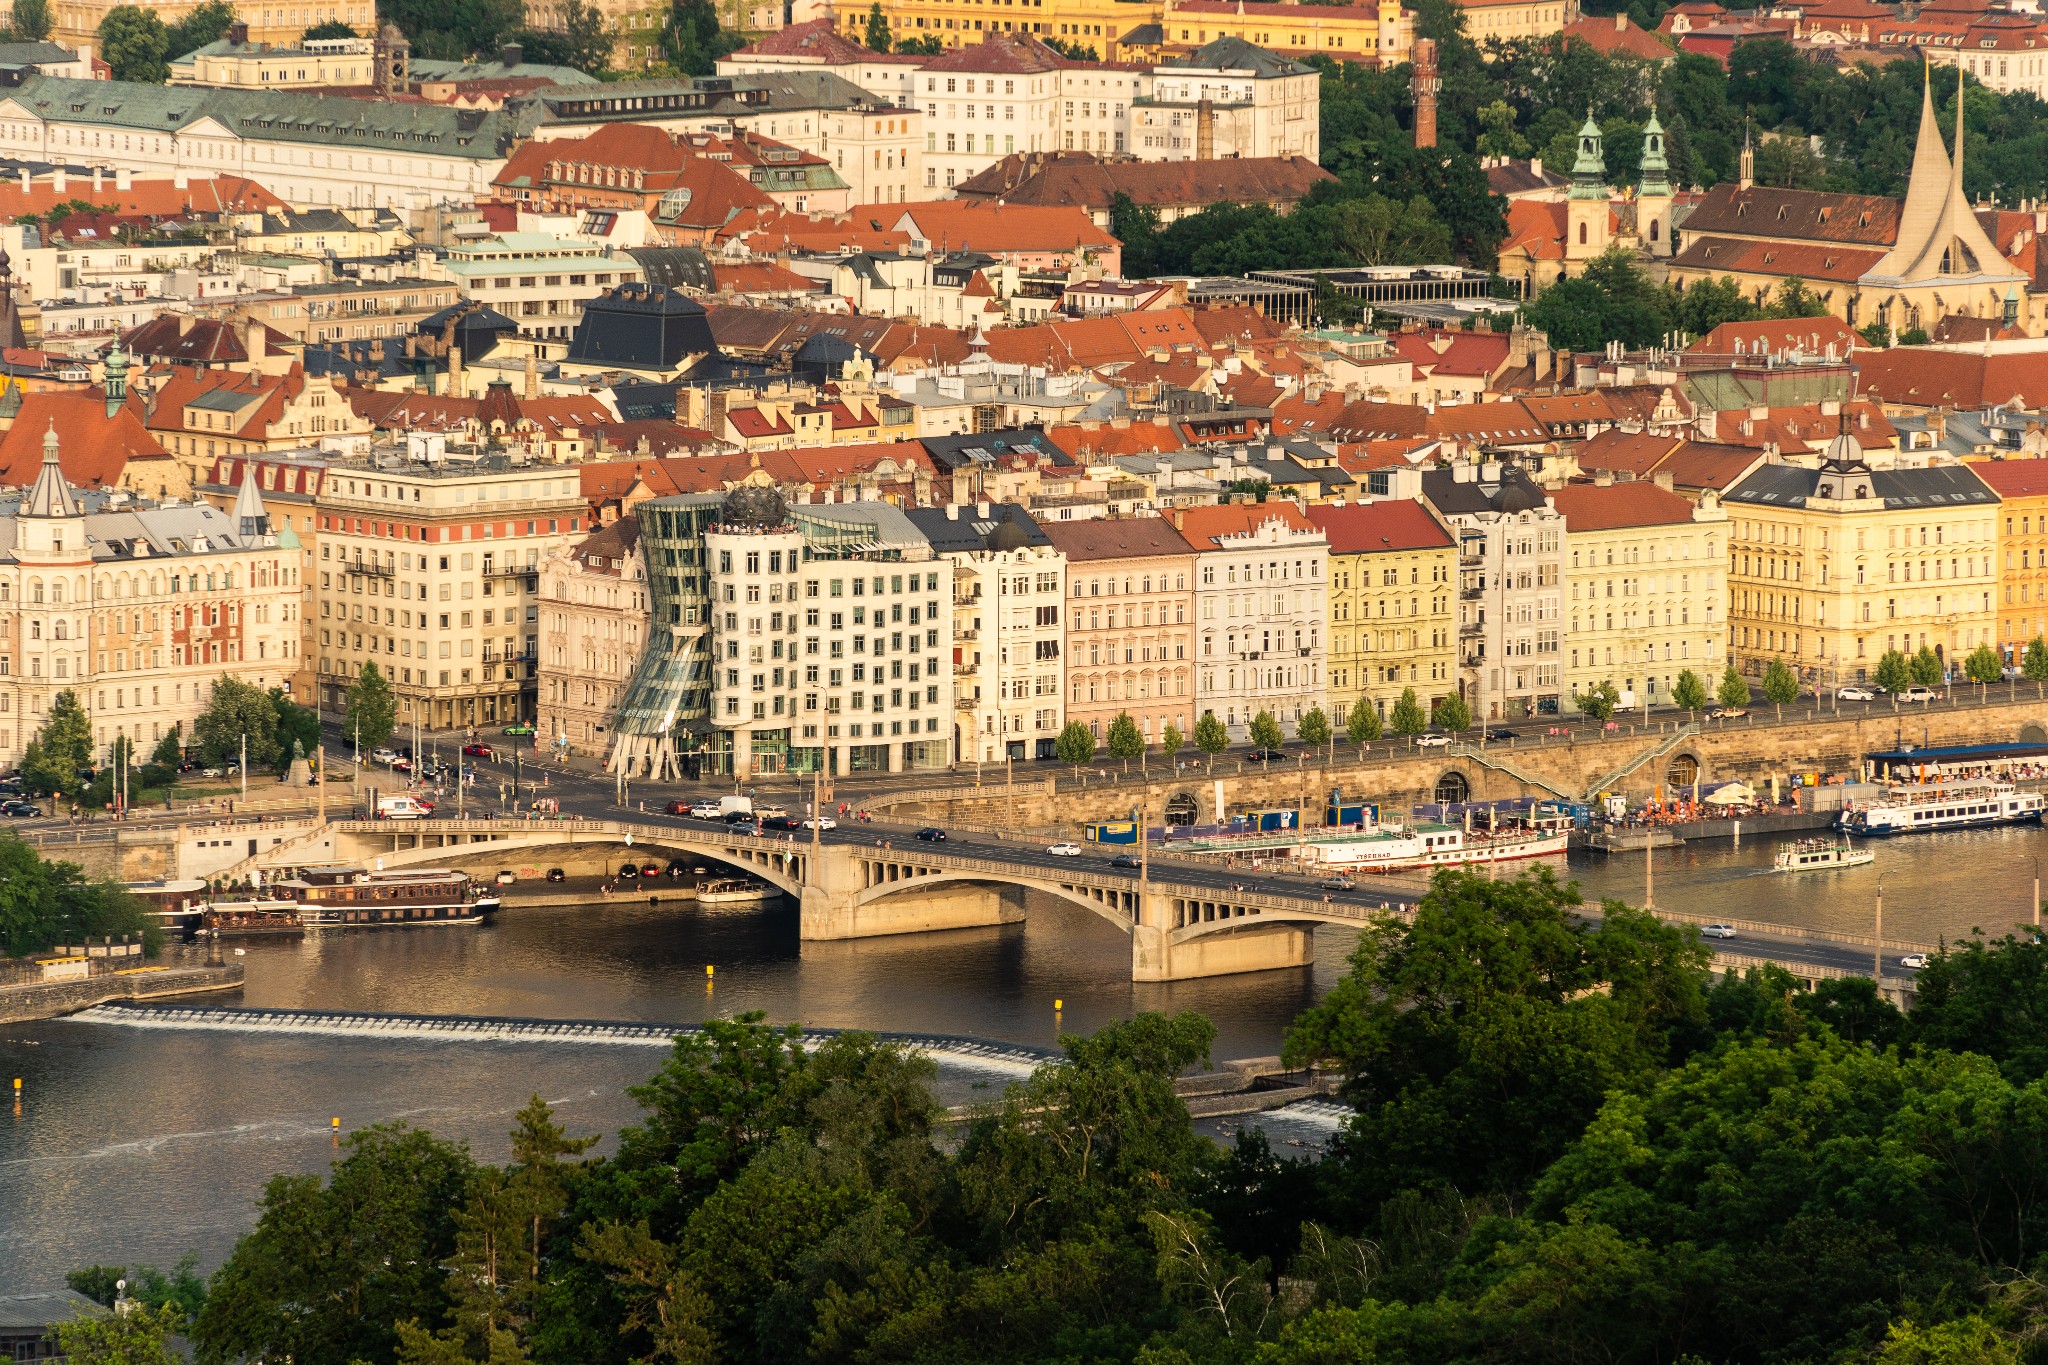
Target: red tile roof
(1206, 527)
(1478, 355)
(93, 448)
(996, 229)
(1776, 336)
(815, 40)
(2014, 478)
(1591, 507)
(1376, 527)
(1116, 538)
(150, 198)
(1807, 260)
(1617, 34)
(1922, 377)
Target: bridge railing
(1751, 926)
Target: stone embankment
(48, 999)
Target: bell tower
(1587, 215)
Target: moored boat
(177, 905)
(1926, 806)
(1425, 844)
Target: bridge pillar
(1251, 947)
(836, 903)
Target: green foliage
(1067, 47)
(2034, 664)
(1781, 684)
(134, 42)
(1210, 736)
(1075, 745)
(1407, 717)
(1362, 726)
(54, 762)
(582, 42)
(139, 1337)
(1733, 691)
(332, 28)
(1171, 740)
(236, 709)
(1894, 674)
(1927, 669)
(33, 20)
(1265, 731)
(1450, 713)
(1913, 336)
(44, 904)
(294, 724)
(878, 29)
(207, 23)
(370, 712)
(97, 1282)
(170, 750)
(1125, 740)
(453, 29)
(1313, 729)
(922, 46)
(1984, 665)
(1599, 701)
(1689, 691)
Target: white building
(540, 282)
(594, 618)
(1230, 99)
(1009, 631)
(1260, 600)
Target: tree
(1927, 669)
(140, 1336)
(1313, 729)
(1362, 726)
(46, 904)
(581, 41)
(1689, 691)
(2034, 666)
(234, 710)
(1071, 48)
(878, 29)
(208, 23)
(1984, 665)
(1265, 731)
(1733, 691)
(33, 20)
(924, 45)
(692, 39)
(170, 750)
(296, 725)
(1894, 673)
(332, 28)
(1171, 741)
(370, 712)
(134, 42)
(54, 762)
(1450, 713)
(1126, 742)
(1781, 685)
(1210, 737)
(1599, 701)
(1076, 745)
(1408, 717)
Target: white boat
(1817, 855)
(1926, 806)
(735, 891)
(1395, 848)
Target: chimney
(99, 179)
(179, 180)
(454, 366)
(1603, 478)
(1536, 166)
(981, 510)
(252, 339)
(238, 33)
(532, 375)
(1662, 478)
(57, 182)
(124, 179)
(511, 54)
(952, 511)
(1621, 22)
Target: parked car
(211, 772)
(20, 810)
(1497, 733)
(1065, 850)
(556, 874)
(821, 822)
(932, 834)
(1125, 860)
(1727, 713)
(649, 870)
(1913, 961)
(1919, 693)
(1266, 756)
(506, 876)
(1854, 694)
(1432, 741)
(767, 811)
(478, 750)
(705, 810)
(678, 808)
(521, 729)
(1718, 931)
(630, 872)
(677, 869)
(1337, 884)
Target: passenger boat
(1395, 848)
(1943, 805)
(177, 905)
(735, 891)
(1817, 855)
(352, 898)
(254, 918)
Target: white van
(399, 808)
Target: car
(678, 808)
(383, 755)
(629, 872)
(1918, 693)
(1337, 884)
(677, 869)
(1266, 756)
(932, 834)
(521, 729)
(1497, 733)
(706, 810)
(1913, 961)
(740, 817)
(20, 810)
(649, 870)
(477, 750)
(1727, 713)
(506, 876)
(1064, 850)
(780, 823)
(767, 812)
(556, 874)
(1718, 931)
(1432, 741)
(1854, 694)
(1127, 861)
(821, 822)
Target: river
(133, 1146)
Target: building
(1130, 624)
(829, 628)
(1171, 189)
(1830, 567)
(1377, 33)
(78, 21)
(2022, 600)
(538, 280)
(1393, 622)
(594, 616)
(1261, 594)
(1507, 20)
(1234, 98)
(137, 607)
(429, 568)
(1643, 573)
(1098, 25)
(1510, 587)
(350, 310)
(290, 487)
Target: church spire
(1656, 169)
(1938, 230)
(51, 496)
(1589, 170)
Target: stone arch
(1182, 808)
(1684, 770)
(1452, 787)
(2034, 732)
(886, 890)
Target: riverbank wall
(48, 999)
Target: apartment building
(1261, 595)
(289, 485)
(1510, 588)
(594, 618)
(351, 310)
(1644, 579)
(1009, 635)
(2022, 601)
(429, 568)
(538, 280)
(1830, 567)
(1393, 623)
(829, 626)
(1229, 99)
(137, 607)
(1130, 623)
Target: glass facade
(663, 724)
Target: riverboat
(177, 905)
(352, 898)
(735, 891)
(1926, 806)
(260, 917)
(1819, 855)
(1392, 848)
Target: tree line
(1574, 1142)
(45, 904)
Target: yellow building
(2022, 602)
(1090, 23)
(1392, 622)
(1830, 567)
(1506, 20)
(78, 21)
(1643, 570)
(1375, 31)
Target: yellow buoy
(1059, 1004)
(710, 970)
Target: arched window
(1582, 234)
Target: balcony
(369, 569)
(1469, 594)
(529, 572)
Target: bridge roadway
(1186, 919)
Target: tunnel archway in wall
(2033, 732)
(1683, 772)
(1181, 810)
(1451, 787)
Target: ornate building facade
(594, 613)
